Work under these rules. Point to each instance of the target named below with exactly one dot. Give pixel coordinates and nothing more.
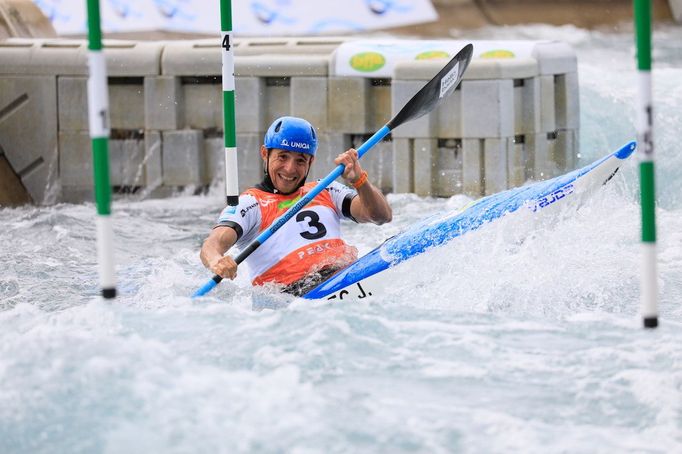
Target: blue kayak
(365, 277)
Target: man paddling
(309, 248)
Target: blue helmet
(291, 134)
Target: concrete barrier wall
(512, 119)
(500, 129)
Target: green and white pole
(98, 116)
(649, 284)
(229, 123)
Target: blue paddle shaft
(207, 287)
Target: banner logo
(367, 62)
(432, 55)
(498, 53)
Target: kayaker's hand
(225, 267)
(352, 171)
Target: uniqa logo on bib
(301, 145)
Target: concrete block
(328, 148)
(192, 58)
(75, 160)
(282, 65)
(495, 153)
(277, 99)
(424, 165)
(77, 194)
(448, 178)
(378, 162)
(73, 103)
(68, 57)
(127, 103)
(250, 104)
(541, 148)
(43, 179)
(567, 101)
(529, 159)
(472, 167)
(380, 104)
(555, 57)
(28, 105)
(547, 104)
(422, 127)
(126, 162)
(349, 109)
(489, 107)
(163, 103)
(309, 100)
(214, 156)
(126, 165)
(490, 69)
(566, 150)
(417, 70)
(517, 163)
(15, 56)
(248, 160)
(203, 104)
(309, 45)
(133, 58)
(527, 110)
(183, 158)
(153, 163)
(403, 157)
(449, 116)
(48, 57)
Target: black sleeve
(234, 226)
(345, 207)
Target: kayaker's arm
(370, 205)
(213, 252)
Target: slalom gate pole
(229, 122)
(98, 116)
(649, 285)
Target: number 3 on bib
(316, 229)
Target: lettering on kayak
(343, 293)
(553, 197)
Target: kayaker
(308, 248)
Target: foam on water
(522, 336)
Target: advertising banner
(377, 58)
(250, 17)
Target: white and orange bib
(307, 243)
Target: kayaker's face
(286, 168)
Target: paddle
(422, 103)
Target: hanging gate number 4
(314, 223)
(226, 43)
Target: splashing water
(522, 336)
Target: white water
(524, 337)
